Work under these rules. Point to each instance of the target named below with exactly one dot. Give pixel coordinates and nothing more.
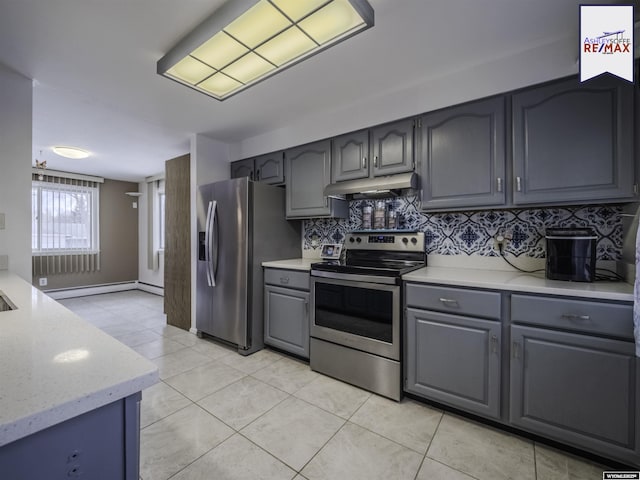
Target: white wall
(145, 274)
(16, 94)
(209, 164)
(535, 65)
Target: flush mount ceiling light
(70, 152)
(246, 41)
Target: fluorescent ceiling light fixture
(70, 152)
(246, 41)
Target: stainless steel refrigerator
(240, 225)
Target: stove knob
(351, 240)
(414, 240)
(358, 240)
(405, 240)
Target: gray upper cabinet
(462, 156)
(573, 142)
(270, 168)
(379, 151)
(308, 172)
(243, 168)
(350, 156)
(392, 148)
(267, 168)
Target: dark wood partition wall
(177, 257)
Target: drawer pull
(449, 301)
(284, 280)
(494, 344)
(573, 316)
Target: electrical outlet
(2, 227)
(501, 239)
(42, 282)
(4, 262)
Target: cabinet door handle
(573, 316)
(515, 347)
(518, 184)
(306, 306)
(258, 175)
(494, 344)
(499, 179)
(449, 301)
(364, 162)
(284, 280)
(251, 175)
(375, 161)
(326, 201)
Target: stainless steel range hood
(373, 187)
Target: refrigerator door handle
(213, 264)
(207, 243)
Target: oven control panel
(396, 241)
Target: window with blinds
(65, 225)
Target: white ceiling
(93, 63)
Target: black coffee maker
(571, 254)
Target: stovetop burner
(384, 254)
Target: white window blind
(156, 220)
(65, 225)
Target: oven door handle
(355, 277)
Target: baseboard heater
(62, 293)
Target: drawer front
(454, 300)
(287, 278)
(615, 319)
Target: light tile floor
(218, 415)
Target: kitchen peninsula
(69, 395)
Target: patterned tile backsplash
(472, 232)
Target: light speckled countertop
(55, 366)
(292, 263)
(520, 282)
(495, 279)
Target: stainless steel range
(356, 309)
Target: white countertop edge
(302, 264)
(518, 282)
(25, 426)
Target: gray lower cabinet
(573, 142)
(462, 156)
(308, 172)
(103, 444)
(577, 389)
(286, 311)
(454, 359)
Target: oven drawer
(615, 319)
(454, 300)
(287, 278)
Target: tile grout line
(435, 431)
